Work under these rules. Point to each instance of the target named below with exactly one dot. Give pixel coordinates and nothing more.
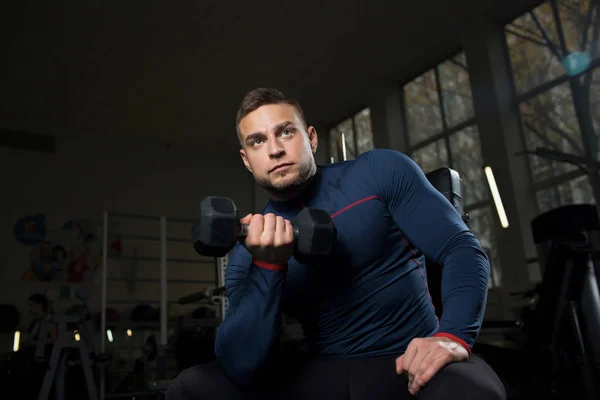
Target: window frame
(545, 87)
(445, 134)
(334, 155)
(446, 131)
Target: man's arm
(432, 225)
(251, 326)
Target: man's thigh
(316, 378)
(376, 378)
(472, 379)
(205, 381)
(289, 377)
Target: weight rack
(219, 263)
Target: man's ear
(245, 159)
(313, 138)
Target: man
(370, 326)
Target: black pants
(372, 378)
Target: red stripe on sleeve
(455, 338)
(272, 267)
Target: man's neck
(293, 193)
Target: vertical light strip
(343, 146)
(496, 196)
(16, 341)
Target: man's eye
(286, 132)
(255, 142)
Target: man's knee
(183, 386)
(473, 379)
(204, 381)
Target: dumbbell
(218, 228)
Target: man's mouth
(280, 167)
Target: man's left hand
(424, 357)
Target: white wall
(89, 175)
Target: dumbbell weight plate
(217, 228)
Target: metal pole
(103, 302)
(343, 147)
(163, 281)
(222, 262)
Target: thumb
(246, 219)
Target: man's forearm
(251, 326)
(465, 274)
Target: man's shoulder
(367, 163)
(378, 158)
(382, 154)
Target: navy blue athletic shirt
(370, 296)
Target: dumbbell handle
(244, 231)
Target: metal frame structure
(164, 281)
(221, 273)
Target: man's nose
(275, 149)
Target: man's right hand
(270, 238)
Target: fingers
(261, 230)
(270, 238)
(425, 357)
(399, 368)
(408, 357)
(279, 232)
(255, 230)
(288, 232)
(419, 364)
(416, 364)
(432, 367)
(268, 234)
(420, 367)
(246, 220)
(420, 355)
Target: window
(554, 55)
(351, 137)
(441, 129)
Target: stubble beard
(286, 188)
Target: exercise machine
(557, 355)
(66, 343)
(566, 320)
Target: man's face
(277, 149)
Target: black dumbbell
(218, 228)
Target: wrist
(270, 265)
(455, 339)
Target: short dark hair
(263, 96)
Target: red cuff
(272, 267)
(455, 338)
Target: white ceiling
(178, 69)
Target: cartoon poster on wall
(68, 253)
